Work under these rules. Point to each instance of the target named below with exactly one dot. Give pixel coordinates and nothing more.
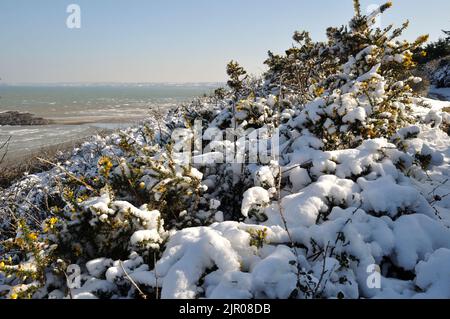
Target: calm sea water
(87, 108)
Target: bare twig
(89, 187)
(141, 293)
(280, 208)
(67, 280)
(324, 271)
(296, 166)
(437, 187)
(156, 277)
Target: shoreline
(36, 121)
(17, 163)
(20, 147)
(64, 132)
(93, 120)
(30, 139)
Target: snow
(341, 201)
(188, 254)
(275, 276)
(433, 275)
(195, 173)
(92, 288)
(214, 204)
(373, 73)
(304, 208)
(99, 205)
(97, 267)
(152, 236)
(385, 196)
(264, 176)
(441, 93)
(150, 219)
(429, 235)
(118, 269)
(231, 285)
(299, 178)
(254, 196)
(357, 114)
(356, 200)
(359, 193)
(441, 77)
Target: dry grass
(13, 169)
(422, 88)
(4, 149)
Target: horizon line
(112, 83)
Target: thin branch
(141, 293)
(156, 277)
(324, 271)
(280, 208)
(89, 187)
(437, 187)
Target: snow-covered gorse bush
(356, 204)
(441, 77)
(435, 50)
(362, 76)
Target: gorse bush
(301, 69)
(354, 185)
(434, 50)
(433, 60)
(441, 76)
(357, 85)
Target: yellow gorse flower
(32, 236)
(22, 224)
(319, 91)
(105, 164)
(408, 61)
(13, 296)
(53, 221)
(423, 38)
(50, 224)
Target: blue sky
(173, 40)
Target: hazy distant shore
(14, 118)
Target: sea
(81, 110)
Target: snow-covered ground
(442, 94)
